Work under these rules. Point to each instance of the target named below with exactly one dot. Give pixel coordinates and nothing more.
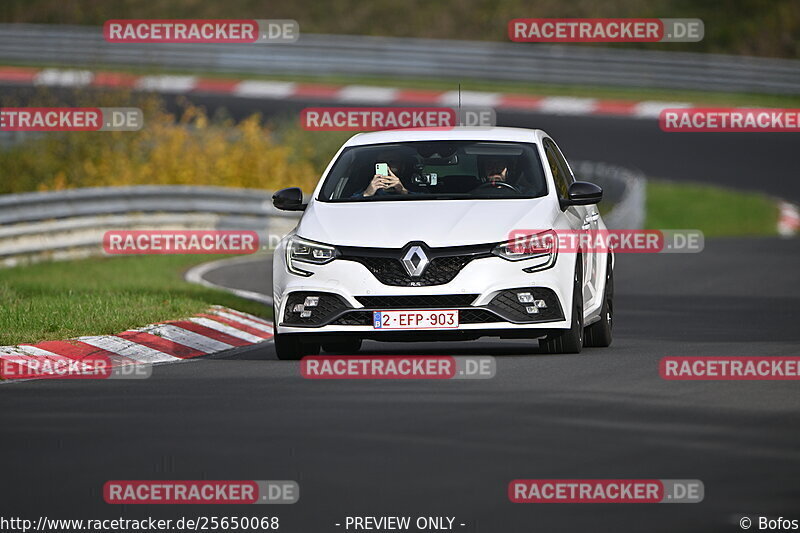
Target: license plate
(408, 319)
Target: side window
(557, 167)
(562, 162)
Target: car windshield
(435, 170)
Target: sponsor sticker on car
(411, 319)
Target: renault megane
(415, 235)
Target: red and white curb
(217, 330)
(788, 219)
(342, 94)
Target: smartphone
(382, 169)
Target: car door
(579, 217)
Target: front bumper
(349, 293)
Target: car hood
(435, 222)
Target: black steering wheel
(497, 185)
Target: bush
(188, 149)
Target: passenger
(380, 185)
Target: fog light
(532, 309)
(525, 297)
(305, 314)
(540, 304)
(311, 301)
(298, 308)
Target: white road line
(186, 338)
(129, 349)
(225, 328)
(195, 275)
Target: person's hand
(393, 182)
(390, 182)
(376, 183)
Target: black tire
(292, 348)
(599, 334)
(342, 346)
(570, 340)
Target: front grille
(390, 271)
(507, 305)
(436, 301)
(329, 306)
(465, 316)
(386, 263)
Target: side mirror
(582, 193)
(290, 199)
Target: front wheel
(570, 340)
(598, 335)
(292, 348)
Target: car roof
(454, 134)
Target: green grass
(511, 87)
(717, 211)
(100, 296)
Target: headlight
(542, 246)
(302, 251)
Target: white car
(411, 235)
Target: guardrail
(70, 224)
(419, 58)
(623, 187)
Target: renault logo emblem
(415, 261)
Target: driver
(495, 170)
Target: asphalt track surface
(450, 448)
